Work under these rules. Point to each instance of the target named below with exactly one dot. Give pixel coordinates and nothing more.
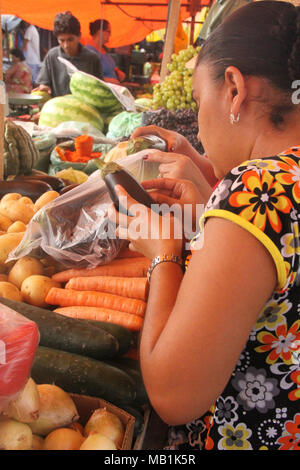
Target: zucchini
(56, 184)
(113, 174)
(82, 375)
(67, 334)
(125, 337)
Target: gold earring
(233, 119)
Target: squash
(20, 152)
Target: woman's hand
(173, 192)
(149, 233)
(175, 165)
(175, 142)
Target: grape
(175, 92)
(182, 120)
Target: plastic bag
(19, 338)
(123, 124)
(56, 164)
(74, 228)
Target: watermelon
(92, 91)
(69, 108)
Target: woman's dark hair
(17, 53)
(96, 25)
(66, 23)
(260, 39)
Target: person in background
(18, 78)
(220, 343)
(31, 48)
(53, 76)
(99, 36)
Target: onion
(26, 407)
(37, 442)
(15, 435)
(97, 441)
(63, 439)
(57, 409)
(104, 422)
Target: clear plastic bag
(19, 338)
(74, 228)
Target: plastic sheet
(19, 338)
(74, 229)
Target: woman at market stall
(18, 78)
(99, 36)
(219, 348)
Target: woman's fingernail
(145, 157)
(172, 148)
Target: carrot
(132, 287)
(84, 145)
(69, 297)
(61, 154)
(128, 320)
(124, 267)
(126, 253)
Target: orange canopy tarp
(129, 23)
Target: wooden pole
(173, 16)
(2, 104)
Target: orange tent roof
(131, 20)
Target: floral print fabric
(259, 407)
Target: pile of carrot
(116, 292)
(83, 151)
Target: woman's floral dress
(21, 80)
(259, 407)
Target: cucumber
(132, 368)
(67, 334)
(82, 375)
(139, 419)
(125, 337)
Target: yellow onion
(26, 407)
(63, 439)
(57, 409)
(97, 441)
(15, 435)
(104, 422)
(37, 442)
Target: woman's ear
(236, 89)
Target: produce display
(88, 318)
(45, 417)
(175, 92)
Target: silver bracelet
(164, 259)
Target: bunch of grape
(183, 121)
(175, 92)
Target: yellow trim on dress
(261, 236)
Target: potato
(4, 277)
(10, 291)
(5, 223)
(23, 268)
(44, 199)
(11, 197)
(35, 289)
(17, 226)
(16, 210)
(8, 242)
